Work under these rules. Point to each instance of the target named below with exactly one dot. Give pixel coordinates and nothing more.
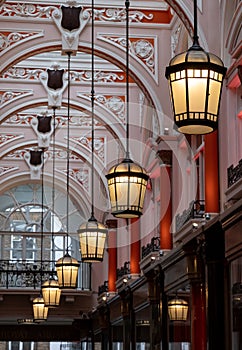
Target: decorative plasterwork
(175, 39)
(6, 138)
(27, 73)
(70, 38)
(99, 76)
(9, 39)
(26, 10)
(46, 11)
(22, 73)
(81, 175)
(81, 119)
(142, 48)
(7, 169)
(8, 96)
(181, 14)
(19, 119)
(119, 15)
(98, 145)
(115, 104)
(17, 154)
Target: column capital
(165, 156)
(112, 223)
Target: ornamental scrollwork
(82, 176)
(99, 76)
(115, 104)
(7, 169)
(26, 10)
(119, 15)
(142, 48)
(22, 73)
(10, 38)
(7, 96)
(7, 137)
(98, 145)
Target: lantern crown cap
(67, 260)
(196, 55)
(129, 167)
(93, 225)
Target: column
(155, 312)
(128, 320)
(165, 200)
(104, 322)
(135, 247)
(216, 282)
(112, 255)
(211, 173)
(198, 317)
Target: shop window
(236, 303)
(18, 345)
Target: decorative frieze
(98, 145)
(46, 11)
(7, 169)
(22, 73)
(5, 138)
(142, 48)
(115, 104)
(9, 38)
(119, 15)
(99, 76)
(17, 9)
(7, 96)
(81, 175)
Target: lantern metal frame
(92, 234)
(177, 309)
(195, 79)
(127, 180)
(67, 266)
(40, 310)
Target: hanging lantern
(92, 235)
(127, 183)
(196, 79)
(67, 272)
(177, 309)
(40, 310)
(51, 292)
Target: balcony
(185, 221)
(27, 275)
(234, 184)
(150, 253)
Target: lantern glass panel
(197, 88)
(179, 96)
(51, 293)
(214, 96)
(40, 310)
(67, 272)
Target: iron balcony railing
(124, 270)
(153, 246)
(196, 210)
(103, 288)
(234, 173)
(29, 274)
